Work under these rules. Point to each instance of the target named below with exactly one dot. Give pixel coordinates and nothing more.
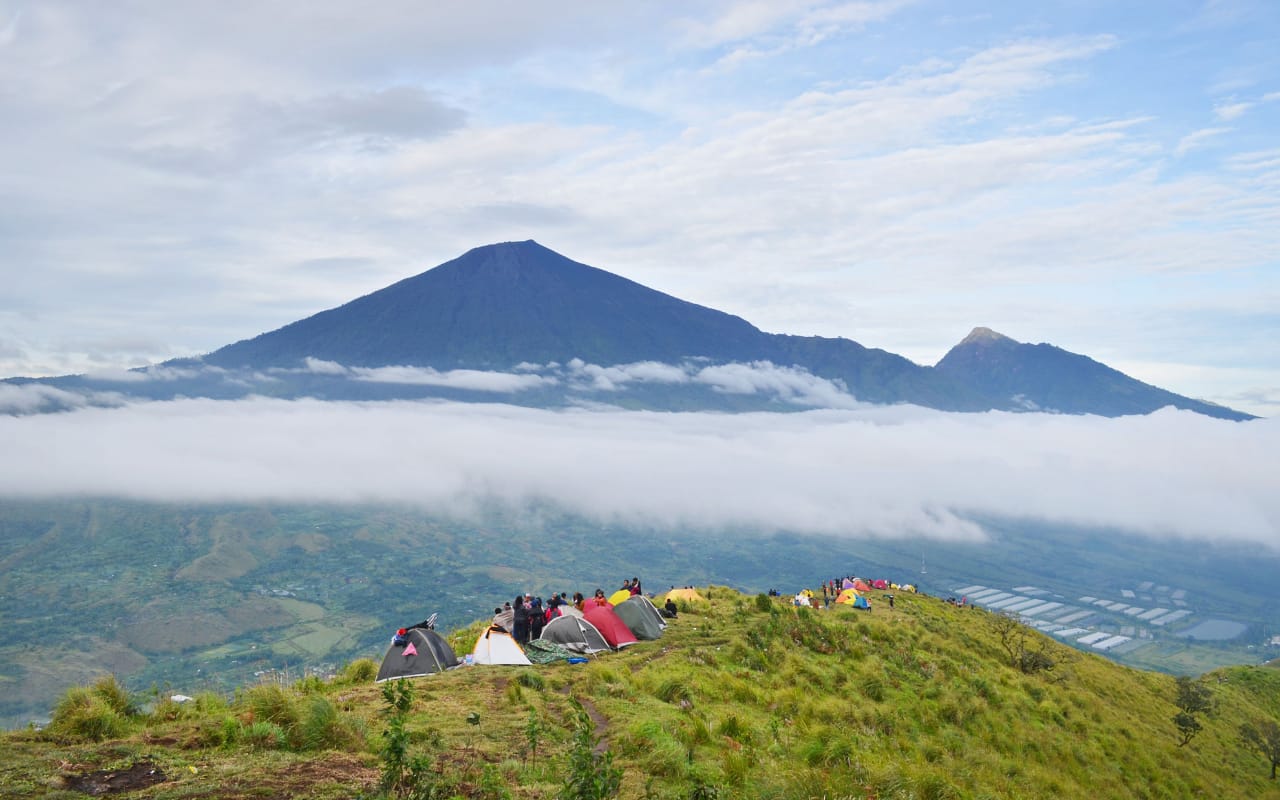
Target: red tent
(613, 629)
(861, 586)
(880, 583)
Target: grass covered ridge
(743, 697)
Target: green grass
(747, 698)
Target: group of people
(526, 615)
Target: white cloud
(1230, 111)
(468, 379)
(35, 398)
(614, 378)
(1196, 139)
(881, 471)
(793, 385)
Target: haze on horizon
(180, 177)
(872, 471)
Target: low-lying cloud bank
(576, 381)
(875, 471)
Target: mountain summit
(523, 322)
(1044, 377)
(501, 305)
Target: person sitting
(670, 608)
(635, 586)
(579, 602)
(504, 618)
(600, 600)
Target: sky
(1102, 176)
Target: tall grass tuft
(83, 714)
(323, 728)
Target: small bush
(362, 670)
(83, 714)
(672, 690)
(209, 703)
(265, 736)
(873, 689)
(309, 685)
(221, 731)
(323, 728)
(734, 728)
(531, 680)
(115, 695)
(763, 603)
(269, 703)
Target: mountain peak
(981, 335)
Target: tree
(1263, 737)
(1193, 698)
(1013, 638)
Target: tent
(879, 583)
(495, 646)
(802, 600)
(613, 629)
(568, 610)
(847, 583)
(641, 617)
(576, 634)
(690, 594)
(620, 596)
(861, 585)
(423, 653)
(847, 597)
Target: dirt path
(602, 725)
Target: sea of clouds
(884, 471)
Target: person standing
(520, 620)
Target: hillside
(229, 590)
(742, 697)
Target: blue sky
(1103, 176)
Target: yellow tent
(847, 597)
(807, 593)
(620, 596)
(684, 594)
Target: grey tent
(576, 634)
(641, 617)
(427, 652)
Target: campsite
(740, 696)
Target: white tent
(497, 647)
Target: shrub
(269, 703)
(323, 728)
(531, 680)
(362, 670)
(222, 731)
(115, 695)
(673, 689)
(83, 714)
(264, 736)
(763, 603)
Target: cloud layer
(883, 471)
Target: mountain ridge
(506, 306)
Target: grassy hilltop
(743, 697)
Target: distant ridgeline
(228, 591)
(519, 323)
